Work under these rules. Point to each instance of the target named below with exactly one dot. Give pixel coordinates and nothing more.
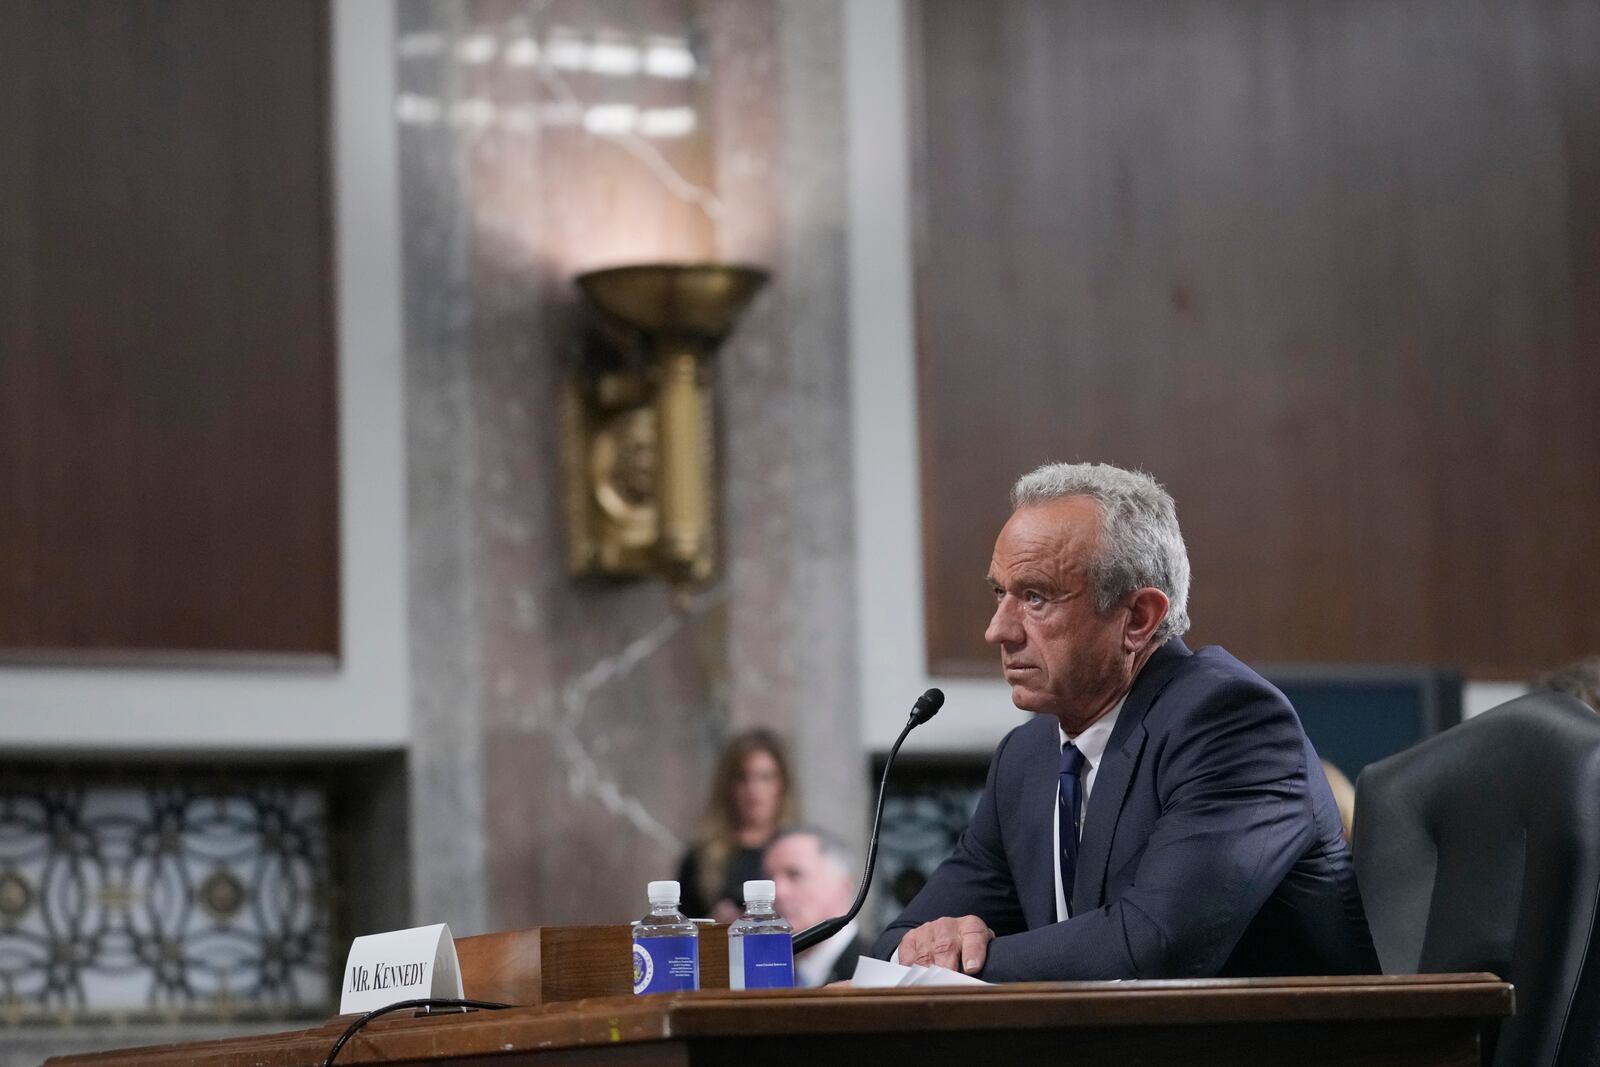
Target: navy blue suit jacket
(1211, 844)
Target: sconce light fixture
(639, 438)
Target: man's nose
(1004, 627)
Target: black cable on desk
(427, 1004)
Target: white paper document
(880, 974)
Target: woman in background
(750, 799)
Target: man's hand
(959, 944)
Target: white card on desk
(400, 965)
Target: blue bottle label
(666, 964)
(761, 961)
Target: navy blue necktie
(1071, 804)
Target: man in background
(814, 874)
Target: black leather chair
(1479, 850)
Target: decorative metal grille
(921, 824)
(163, 900)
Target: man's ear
(1146, 609)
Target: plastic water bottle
(666, 946)
(760, 943)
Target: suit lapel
(1115, 772)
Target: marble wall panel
(445, 769)
(781, 175)
(564, 731)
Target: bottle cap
(763, 890)
(663, 892)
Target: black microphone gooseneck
(927, 705)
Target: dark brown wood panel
(1330, 271)
(168, 458)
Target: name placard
(400, 965)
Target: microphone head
(927, 706)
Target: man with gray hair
(815, 876)
(1163, 815)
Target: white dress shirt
(1092, 743)
(812, 967)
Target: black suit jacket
(1211, 844)
(845, 966)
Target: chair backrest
(1479, 850)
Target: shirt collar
(1092, 741)
(813, 966)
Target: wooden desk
(1435, 1020)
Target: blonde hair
(719, 826)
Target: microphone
(926, 707)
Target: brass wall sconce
(639, 442)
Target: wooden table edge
(723, 1013)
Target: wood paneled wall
(1330, 271)
(168, 464)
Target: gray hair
(830, 847)
(1140, 544)
(1580, 679)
